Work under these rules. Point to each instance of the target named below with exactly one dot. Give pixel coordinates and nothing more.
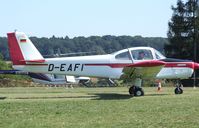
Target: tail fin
(22, 49)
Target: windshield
(142, 54)
(159, 55)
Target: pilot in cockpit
(141, 55)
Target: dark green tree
(183, 30)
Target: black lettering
(50, 67)
(62, 67)
(70, 67)
(82, 67)
(76, 66)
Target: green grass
(97, 107)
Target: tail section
(22, 49)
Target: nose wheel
(178, 89)
(136, 91)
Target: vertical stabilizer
(22, 50)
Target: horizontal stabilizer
(14, 72)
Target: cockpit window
(158, 55)
(123, 56)
(142, 54)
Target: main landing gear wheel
(136, 91)
(178, 90)
(131, 90)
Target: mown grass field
(97, 107)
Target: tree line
(93, 44)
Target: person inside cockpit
(141, 55)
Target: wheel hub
(138, 93)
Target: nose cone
(196, 65)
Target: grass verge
(97, 107)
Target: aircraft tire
(132, 90)
(138, 91)
(178, 90)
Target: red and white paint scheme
(135, 64)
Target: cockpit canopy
(138, 53)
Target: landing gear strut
(178, 89)
(136, 91)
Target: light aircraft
(135, 64)
(50, 79)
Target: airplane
(132, 64)
(50, 79)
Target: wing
(143, 70)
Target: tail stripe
(22, 50)
(14, 50)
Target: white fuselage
(77, 66)
(105, 66)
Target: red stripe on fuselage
(139, 64)
(14, 50)
(192, 65)
(151, 64)
(113, 65)
(36, 64)
(34, 61)
(179, 64)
